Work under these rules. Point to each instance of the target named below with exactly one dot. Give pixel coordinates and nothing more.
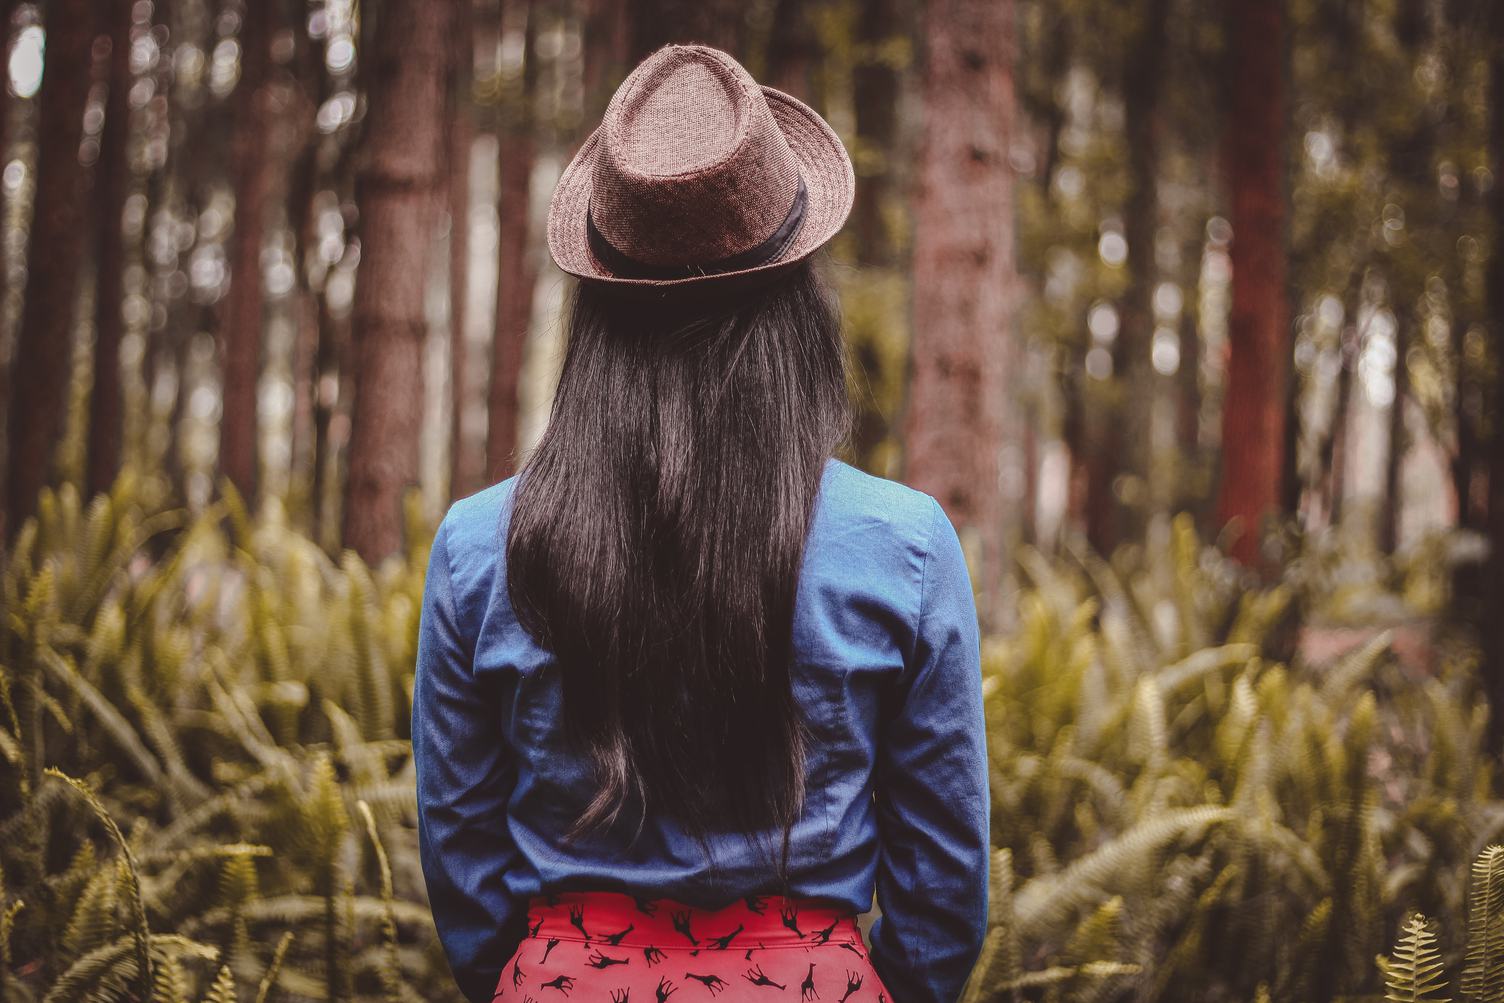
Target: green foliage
(193, 669)
(1413, 974)
(1180, 801)
(1181, 810)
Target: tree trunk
(875, 99)
(1258, 326)
(111, 182)
(875, 95)
(399, 192)
(964, 282)
(1493, 632)
(655, 23)
(244, 304)
(1130, 438)
(1399, 441)
(516, 275)
(7, 24)
(792, 49)
(464, 476)
(43, 352)
(606, 32)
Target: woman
(689, 688)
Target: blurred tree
(1492, 622)
(792, 48)
(516, 275)
(1130, 428)
(656, 23)
(603, 63)
(244, 306)
(111, 184)
(964, 283)
(1258, 325)
(875, 97)
(305, 175)
(43, 354)
(464, 466)
(1411, 150)
(399, 192)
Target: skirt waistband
(618, 919)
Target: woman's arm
(933, 803)
(464, 779)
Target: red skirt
(610, 946)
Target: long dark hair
(656, 537)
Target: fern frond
(1044, 903)
(118, 961)
(139, 932)
(223, 989)
(1414, 972)
(391, 969)
(273, 969)
(1483, 976)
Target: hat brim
(828, 178)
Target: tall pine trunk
(44, 347)
(244, 304)
(111, 182)
(875, 92)
(1258, 327)
(606, 30)
(792, 49)
(874, 83)
(399, 192)
(1493, 624)
(464, 473)
(964, 281)
(1131, 429)
(515, 276)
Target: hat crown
(692, 167)
(685, 118)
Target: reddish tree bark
(111, 182)
(516, 275)
(964, 282)
(399, 192)
(244, 304)
(464, 465)
(1253, 417)
(43, 353)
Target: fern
(391, 969)
(223, 989)
(1043, 902)
(273, 969)
(139, 932)
(1483, 976)
(1414, 972)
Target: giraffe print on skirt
(612, 946)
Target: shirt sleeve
(933, 801)
(464, 778)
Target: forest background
(1190, 313)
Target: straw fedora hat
(698, 174)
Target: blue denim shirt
(889, 675)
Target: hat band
(769, 250)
